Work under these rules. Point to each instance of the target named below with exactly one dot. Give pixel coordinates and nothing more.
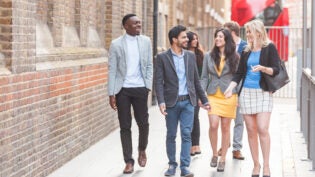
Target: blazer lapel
(125, 49)
(186, 63)
(262, 54)
(170, 59)
(140, 47)
(214, 67)
(225, 68)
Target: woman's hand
(229, 91)
(263, 69)
(257, 68)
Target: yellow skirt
(221, 106)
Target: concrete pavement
(287, 158)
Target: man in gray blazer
(129, 82)
(177, 86)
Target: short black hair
(126, 17)
(175, 31)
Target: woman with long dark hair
(194, 46)
(219, 65)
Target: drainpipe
(155, 34)
(304, 55)
(304, 33)
(313, 40)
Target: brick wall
(53, 80)
(53, 77)
(49, 117)
(23, 33)
(5, 32)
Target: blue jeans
(238, 131)
(182, 112)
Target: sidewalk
(287, 158)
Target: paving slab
(288, 156)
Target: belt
(183, 97)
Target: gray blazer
(210, 80)
(117, 67)
(166, 80)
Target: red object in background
(244, 10)
(280, 36)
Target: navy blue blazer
(241, 47)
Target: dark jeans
(195, 134)
(138, 99)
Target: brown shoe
(128, 169)
(238, 155)
(142, 159)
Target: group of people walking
(226, 81)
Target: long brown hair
(198, 50)
(231, 57)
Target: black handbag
(279, 80)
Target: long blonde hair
(257, 28)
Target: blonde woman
(259, 57)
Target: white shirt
(133, 77)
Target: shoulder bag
(279, 80)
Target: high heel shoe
(221, 167)
(256, 175)
(264, 175)
(214, 161)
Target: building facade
(53, 73)
(191, 13)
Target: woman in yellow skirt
(219, 65)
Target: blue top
(181, 74)
(252, 78)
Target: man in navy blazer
(177, 87)
(239, 123)
(129, 82)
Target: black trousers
(138, 99)
(195, 134)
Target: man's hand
(163, 109)
(112, 102)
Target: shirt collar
(130, 38)
(174, 54)
(238, 41)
